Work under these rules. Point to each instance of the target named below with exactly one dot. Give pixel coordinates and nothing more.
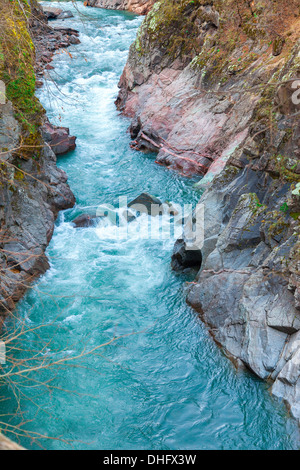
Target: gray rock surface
(58, 138)
(244, 290)
(32, 191)
(211, 115)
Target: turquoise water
(164, 384)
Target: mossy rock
(17, 58)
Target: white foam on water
(166, 386)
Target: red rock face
(58, 138)
(213, 117)
(190, 126)
(195, 108)
(141, 7)
(186, 126)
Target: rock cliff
(32, 188)
(213, 88)
(141, 7)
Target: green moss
(227, 175)
(19, 175)
(175, 28)
(284, 167)
(17, 56)
(253, 32)
(221, 61)
(275, 223)
(255, 204)
(264, 110)
(172, 27)
(278, 226)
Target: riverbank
(221, 102)
(33, 189)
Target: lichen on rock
(17, 64)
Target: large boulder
(52, 12)
(184, 258)
(145, 203)
(85, 220)
(65, 14)
(58, 138)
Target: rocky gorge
(215, 93)
(33, 189)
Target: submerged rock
(85, 220)
(74, 39)
(53, 13)
(145, 203)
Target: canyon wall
(32, 188)
(212, 87)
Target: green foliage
(17, 57)
(172, 27)
(285, 167)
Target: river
(164, 384)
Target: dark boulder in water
(145, 203)
(183, 258)
(65, 14)
(85, 220)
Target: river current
(164, 384)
